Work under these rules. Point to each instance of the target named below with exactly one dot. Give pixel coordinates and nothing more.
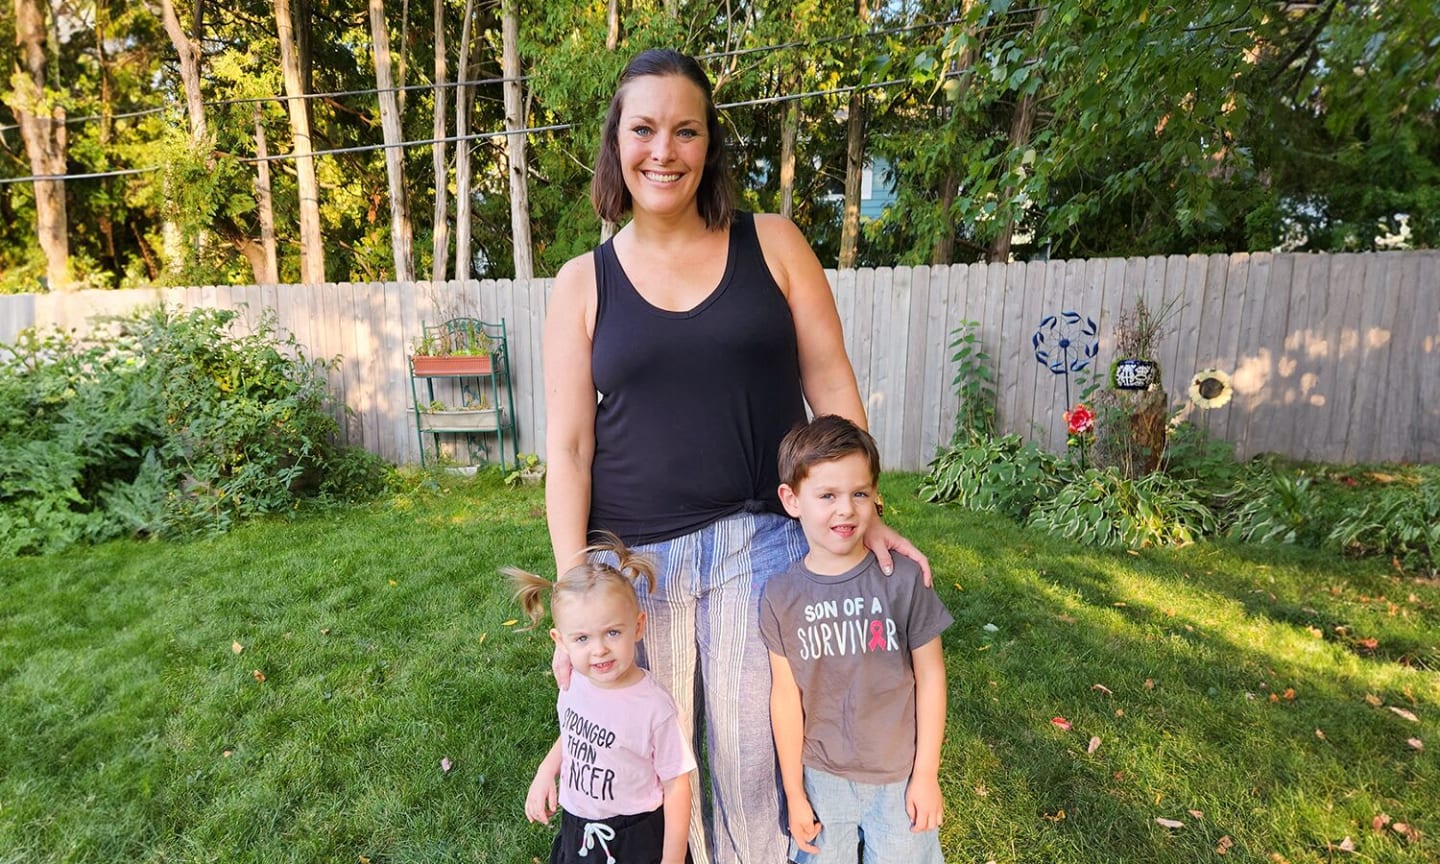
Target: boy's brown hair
(824, 439)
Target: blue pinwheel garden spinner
(1066, 343)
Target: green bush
(999, 475)
(1403, 522)
(1278, 506)
(162, 423)
(1101, 507)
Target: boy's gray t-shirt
(848, 639)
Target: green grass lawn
(287, 693)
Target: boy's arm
(922, 796)
(677, 819)
(787, 722)
(543, 799)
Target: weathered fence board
(1334, 357)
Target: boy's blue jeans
(848, 811)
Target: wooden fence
(1333, 357)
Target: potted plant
(475, 416)
(457, 347)
(529, 471)
(1137, 336)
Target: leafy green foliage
(974, 384)
(1101, 507)
(996, 475)
(166, 423)
(1404, 522)
(1278, 507)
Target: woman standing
(677, 355)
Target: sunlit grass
(1236, 682)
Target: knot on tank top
(754, 505)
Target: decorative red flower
(1080, 421)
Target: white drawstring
(597, 831)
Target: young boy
(857, 702)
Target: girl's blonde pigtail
(632, 566)
(530, 590)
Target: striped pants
(704, 618)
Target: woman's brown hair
(716, 195)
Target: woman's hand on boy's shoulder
(883, 540)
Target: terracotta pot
(479, 364)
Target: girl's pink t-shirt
(618, 747)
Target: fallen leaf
(1346, 845)
(1223, 846)
(483, 637)
(1094, 744)
(258, 675)
(1133, 552)
(982, 790)
(1373, 701)
(1060, 723)
(1401, 828)
(1320, 733)
(1102, 688)
(1380, 821)
(1406, 714)
(1119, 712)
(236, 647)
(1120, 604)
(990, 628)
(227, 753)
(1168, 823)
(1369, 644)
(1315, 631)
(1149, 683)
(1415, 743)
(959, 587)
(509, 623)
(1289, 694)
(445, 765)
(1274, 698)
(1059, 816)
(364, 860)
(1065, 619)
(1198, 814)
(324, 631)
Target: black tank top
(692, 404)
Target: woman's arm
(825, 371)
(569, 420)
(569, 409)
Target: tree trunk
(462, 151)
(42, 126)
(400, 244)
(189, 70)
(1019, 136)
(270, 274)
(1020, 125)
(440, 247)
(789, 132)
(943, 252)
(515, 144)
(854, 167)
(612, 25)
(312, 250)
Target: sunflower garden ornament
(1210, 388)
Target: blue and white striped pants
(705, 616)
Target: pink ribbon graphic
(877, 636)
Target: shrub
(1102, 507)
(1403, 522)
(1277, 506)
(998, 475)
(162, 423)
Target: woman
(676, 357)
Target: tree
(41, 116)
(400, 229)
(312, 249)
(515, 148)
